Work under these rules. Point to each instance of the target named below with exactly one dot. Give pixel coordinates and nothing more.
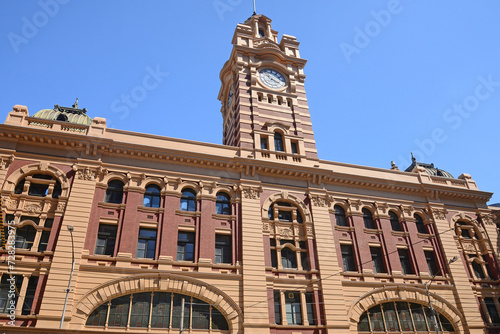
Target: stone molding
(159, 282)
(409, 294)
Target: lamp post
(70, 229)
(427, 285)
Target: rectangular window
(310, 308)
(44, 241)
(223, 249)
(146, 245)
(348, 258)
(30, 295)
(160, 316)
(431, 263)
(292, 308)
(294, 147)
(185, 246)
(6, 296)
(263, 143)
(404, 257)
(277, 308)
(377, 260)
(492, 310)
(139, 316)
(274, 256)
(201, 315)
(118, 311)
(177, 311)
(106, 237)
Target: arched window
(152, 196)
(340, 217)
(288, 258)
(402, 316)
(25, 237)
(158, 310)
(368, 219)
(114, 192)
(285, 212)
(419, 222)
(395, 224)
(39, 186)
(278, 142)
(223, 204)
(188, 200)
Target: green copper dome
(65, 114)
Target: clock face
(272, 78)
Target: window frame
(188, 200)
(223, 204)
(183, 246)
(149, 242)
(109, 239)
(114, 192)
(154, 197)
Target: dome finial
(254, 12)
(76, 104)
(412, 157)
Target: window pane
(288, 258)
(201, 314)
(418, 317)
(278, 142)
(223, 249)
(376, 319)
(218, 320)
(160, 316)
(139, 316)
(146, 244)
(277, 308)
(118, 312)
(30, 295)
(404, 257)
(177, 311)
(377, 260)
(348, 258)
(391, 320)
(340, 217)
(185, 246)
(310, 308)
(446, 324)
(431, 262)
(368, 219)
(492, 310)
(420, 224)
(404, 316)
(44, 241)
(98, 316)
(363, 325)
(292, 308)
(395, 224)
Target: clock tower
(264, 104)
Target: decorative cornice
(235, 164)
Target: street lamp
(70, 229)
(427, 285)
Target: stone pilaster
(255, 299)
(466, 301)
(77, 214)
(336, 319)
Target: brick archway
(159, 282)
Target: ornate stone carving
(266, 228)
(438, 214)
(252, 193)
(5, 161)
(487, 219)
(321, 200)
(11, 204)
(32, 208)
(89, 174)
(309, 230)
(286, 232)
(61, 206)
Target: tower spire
(254, 12)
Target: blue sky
(384, 78)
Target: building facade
(138, 233)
